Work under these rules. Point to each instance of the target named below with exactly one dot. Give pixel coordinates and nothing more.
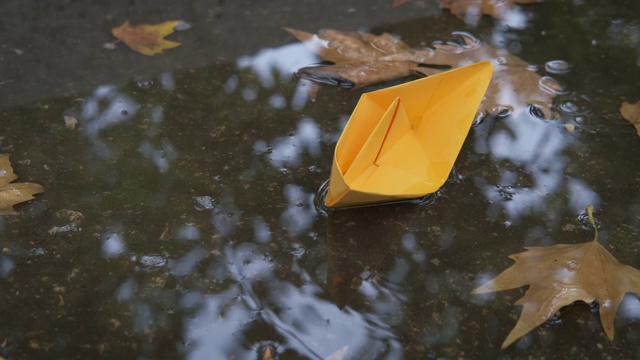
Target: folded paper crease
(401, 142)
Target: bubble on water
(144, 83)
(569, 107)
(502, 110)
(542, 112)
(551, 85)
(202, 203)
(557, 66)
(182, 26)
(579, 119)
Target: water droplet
(571, 264)
(144, 83)
(557, 66)
(182, 26)
(124, 112)
(467, 40)
(502, 60)
(579, 119)
(448, 47)
(569, 107)
(202, 203)
(551, 85)
(502, 110)
(479, 118)
(533, 68)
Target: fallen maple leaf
(11, 194)
(631, 112)
(471, 10)
(146, 39)
(361, 59)
(562, 274)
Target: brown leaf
(631, 112)
(471, 10)
(11, 194)
(363, 59)
(560, 275)
(146, 39)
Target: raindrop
(551, 85)
(579, 119)
(124, 112)
(479, 118)
(502, 110)
(202, 203)
(571, 264)
(467, 40)
(502, 60)
(557, 66)
(144, 83)
(569, 107)
(533, 67)
(182, 26)
(536, 111)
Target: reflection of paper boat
(401, 142)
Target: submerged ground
(181, 218)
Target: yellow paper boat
(401, 142)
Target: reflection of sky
(287, 151)
(310, 325)
(538, 149)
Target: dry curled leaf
(361, 59)
(146, 39)
(562, 274)
(631, 112)
(11, 194)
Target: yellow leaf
(146, 39)
(631, 112)
(560, 275)
(11, 194)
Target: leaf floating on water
(361, 59)
(562, 274)
(12, 194)
(631, 112)
(471, 10)
(147, 39)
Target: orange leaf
(560, 275)
(11, 194)
(631, 112)
(146, 39)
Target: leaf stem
(592, 221)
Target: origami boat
(401, 142)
